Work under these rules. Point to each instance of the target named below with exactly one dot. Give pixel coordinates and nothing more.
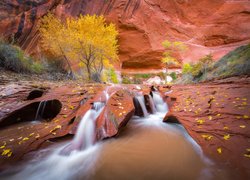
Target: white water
(152, 104)
(161, 106)
(40, 110)
(85, 134)
(142, 104)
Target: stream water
(146, 148)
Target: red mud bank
(215, 26)
(217, 116)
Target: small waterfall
(160, 105)
(152, 104)
(98, 105)
(106, 94)
(85, 134)
(142, 104)
(40, 110)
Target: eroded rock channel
(122, 126)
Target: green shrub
(173, 75)
(13, 58)
(187, 68)
(37, 68)
(113, 76)
(126, 80)
(235, 63)
(55, 64)
(143, 76)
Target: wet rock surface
(23, 134)
(117, 112)
(216, 115)
(26, 124)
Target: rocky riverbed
(215, 114)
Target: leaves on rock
(226, 137)
(200, 121)
(7, 152)
(55, 128)
(242, 126)
(206, 137)
(219, 150)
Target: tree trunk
(66, 59)
(89, 72)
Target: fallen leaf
(225, 128)
(226, 137)
(247, 155)
(207, 137)
(3, 146)
(7, 152)
(200, 121)
(37, 136)
(71, 107)
(55, 128)
(242, 126)
(245, 116)
(210, 117)
(219, 150)
(31, 134)
(244, 103)
(25, 139)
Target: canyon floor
(215, 114)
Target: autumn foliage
(87, 40)
(170, 49)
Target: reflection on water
(146, 149)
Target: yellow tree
(87, 39)
(171, 48)
(95, 42)
(52, 32)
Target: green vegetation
(140, 78)
(235, 63)
(113, 76)
(126, 80)
(173, 75)
(14, 59)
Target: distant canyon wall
(214, 26)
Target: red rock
(216, 26)
(216, 115)
(24, 137)
(118, 111)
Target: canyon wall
(214, 26)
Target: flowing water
(40, 110)
(146, 148)
(84, 137)
(142, 104)
(161, 106)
